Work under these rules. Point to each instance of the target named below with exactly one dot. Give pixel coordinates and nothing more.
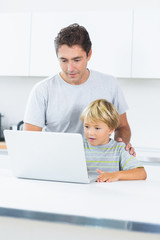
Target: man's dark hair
(74, 34)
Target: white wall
(14, 93)
(63, 5)
(142, 95)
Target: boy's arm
(131, 174)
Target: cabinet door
(110, 32)
(14, 44)
(146, 44)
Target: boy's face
(96, 133)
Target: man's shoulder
(46, 83)
(103, 77)
(48, 80)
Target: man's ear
(89, 54)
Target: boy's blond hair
(102, 110)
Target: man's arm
(123, 131)
(30, 127)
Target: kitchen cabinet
(125, 43)
(14, 44)
(110, 32)
(146, 47)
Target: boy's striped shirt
(110, 157)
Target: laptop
(47, 156)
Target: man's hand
(128, 147)
(107, 176)
(30, 127)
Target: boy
(105, 156)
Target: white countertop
(123, 200)
(137, 201)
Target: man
(56, 103)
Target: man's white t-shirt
(57, 105)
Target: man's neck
(81, 81)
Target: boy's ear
(111, 131)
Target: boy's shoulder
(111, 145)
(118, 145)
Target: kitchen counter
(124, 205)
(132, 206)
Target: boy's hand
(128, 147)
(107, 177)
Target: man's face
(73, 62)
